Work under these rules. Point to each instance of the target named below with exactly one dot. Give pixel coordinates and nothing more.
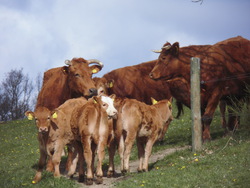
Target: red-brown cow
(133, 82)
(225, 69)
(90, 123)
(61, 84)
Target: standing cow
(59, 85)
(143, 123)
(90, 123)
(54, 133)
(225, 67)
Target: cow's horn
(92, 61)
(67, 62)
(166, 47)
(157, 51)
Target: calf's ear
(153, 101)
(113, 96)
(30, 115)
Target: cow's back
(54, 91)
(134, 82)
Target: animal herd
(130, 104)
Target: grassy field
(223, 162)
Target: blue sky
(38, 35)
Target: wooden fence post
(195, 105)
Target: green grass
(223, 162)
(19, 156)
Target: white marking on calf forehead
(107, 100)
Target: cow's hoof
(124, 172)
(80, 178)
(89, 181)
(99, 180)
(110, 174)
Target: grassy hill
(223, 162)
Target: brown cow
(225, 69)
(133, 82)
(63, 83)
(54, 132)
(145, 123)
(90, 122)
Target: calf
(54, 132)
(145, 123)
(90, 122)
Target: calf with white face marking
(90, 122)
(143, 123)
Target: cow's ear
(113, 96)
(175, 49)
(153, 101)
(65, 69)
(53, 115)
(95, 69)
(30, 115)
(110, 83)
(95, 99)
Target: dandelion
(195, 154)
(33, 182)
(234, 180)
(142, 185)
(196, 160)
(157, 168)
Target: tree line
(18, 94)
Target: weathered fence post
(195, 105)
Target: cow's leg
(111, 150)
(76, 149)
(208, 115)
(140, 147)
(121, 152)
(49, 166)
(56, 157)
(70, 157)
(100, 157)
(148, 150)
(41, 165)
(222, 106)
(129, 141)
(87, 152)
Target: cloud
(38, 35)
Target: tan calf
(90, 122)
(143, 123)
(54, 132)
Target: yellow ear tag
(30, 117)
(54, 115)
(94, 71)
(95, 101)
(169, 104)
(111, 84)
(154, 101)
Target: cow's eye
(77, 75)
(104, 104)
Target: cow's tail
(180, 109)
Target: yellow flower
(195, 154)
(196, 160)
(142, 185)
(33, 182)
(234, 180)
(157, 168)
